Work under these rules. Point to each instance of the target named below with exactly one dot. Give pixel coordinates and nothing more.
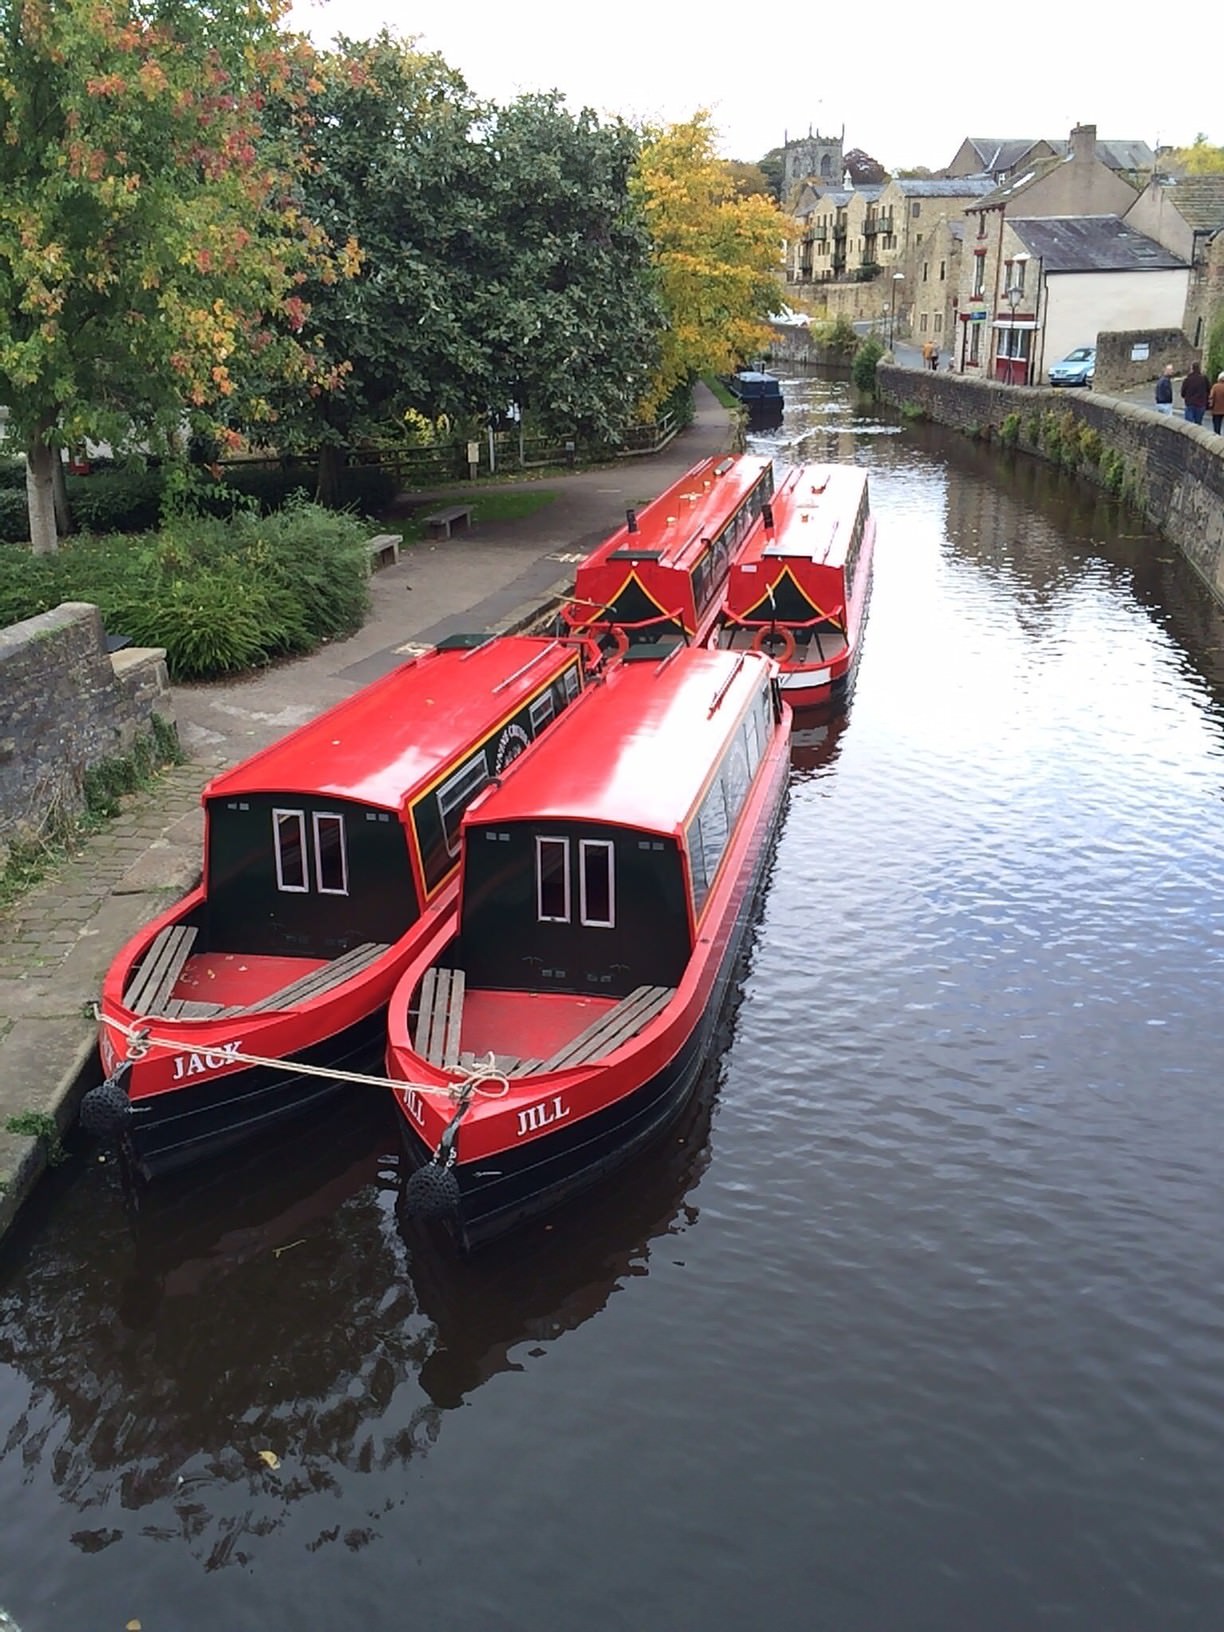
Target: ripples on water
(915, 1323)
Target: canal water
(914, 1324)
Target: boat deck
(812, 647)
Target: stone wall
(1172, 471)
(68, 704)
(793, 343)
(1117, 370)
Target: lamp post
(897, 277)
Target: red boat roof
(635, 750)
(377, 746)
(673, 526)
(814, 512)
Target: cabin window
(331, 858)
(552, 880)
(542, 710)
(456, 794)
(701, 881)
(597, 882)
(289, 836)
(712, 822)
(752, 742)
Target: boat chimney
(767, 516)
(631, 525)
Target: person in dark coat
(1164, 391)
(1194, 394)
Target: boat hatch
(465, 642)
(628, 554)
(649, 651)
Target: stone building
(811, 157)
(1005, 157)
(1186, 215)
(911, 214)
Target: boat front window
(597, 883)
(331, 856)
(289, 834)
(552, 880)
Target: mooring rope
(472, 1082)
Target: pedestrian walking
(930, 354)
(1215, 402)
(1164, 391)
(1194, 394)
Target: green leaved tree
(150, 244)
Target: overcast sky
(907, 90)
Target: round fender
(431, 1192)
(105, 1110)
(776, 633)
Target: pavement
(58, 941)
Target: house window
(289, 836)
(975, 344)
(922, 323)
(331, 858)
(1017, 276)
(552, 880)
(915, 210)
(596, 882)
(943, 268)
(926, 267)
(979, 276)
(938, 322)
(918, 238)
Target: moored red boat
(660, 575)
(606, 889)
(329, 857)
(800, 584)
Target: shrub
(863, 365)
(1213, 362)
(116, 501)
(12, 474)
(14, 515)
(1009, 431)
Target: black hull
(169, 1131)
(541, 1175)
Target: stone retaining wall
(1118, 369)
(1173, 472)
(68, 705)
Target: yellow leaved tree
(717, 254)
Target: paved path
(56, 944)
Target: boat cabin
(661, 574)
(587, 871)
(338, 835)
(797, 567)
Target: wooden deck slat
(454, 1021)
(437, 1019)
(162, 966)
(186, 1008)
(612, 1028)
(314, 984)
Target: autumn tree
(717, 255)
(150, 245)
(864, 170)
(1201, 158)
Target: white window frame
(542, 917)
(317, 821)
(979, 276)
(299, 816)
(543, 709)
(585, 846)
(447, 804)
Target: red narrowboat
(607, 886)
(328, 858)
(800, 584)
(660, 575)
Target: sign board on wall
(1139, 352)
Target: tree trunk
(40, 494)
(59, 490)
(327, 489)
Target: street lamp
(1013, 292)
(897, 277)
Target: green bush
(1009, 431)
(863, 365)
(116, 501)
(1214, 355)
(14, 514)
(12, 473)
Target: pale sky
(907, 86)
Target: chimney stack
(1083, 144)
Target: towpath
(57, 943)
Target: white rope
(473, 1083)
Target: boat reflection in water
(816, 737)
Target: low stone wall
(1173, 472)
(68, 705)
(1119, 369)
(793, 343)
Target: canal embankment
(1172, 472)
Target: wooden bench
(384, 550)
(440, 1017)
(307, 987)
(602, 1036)
(441, 521)
(161, 967)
